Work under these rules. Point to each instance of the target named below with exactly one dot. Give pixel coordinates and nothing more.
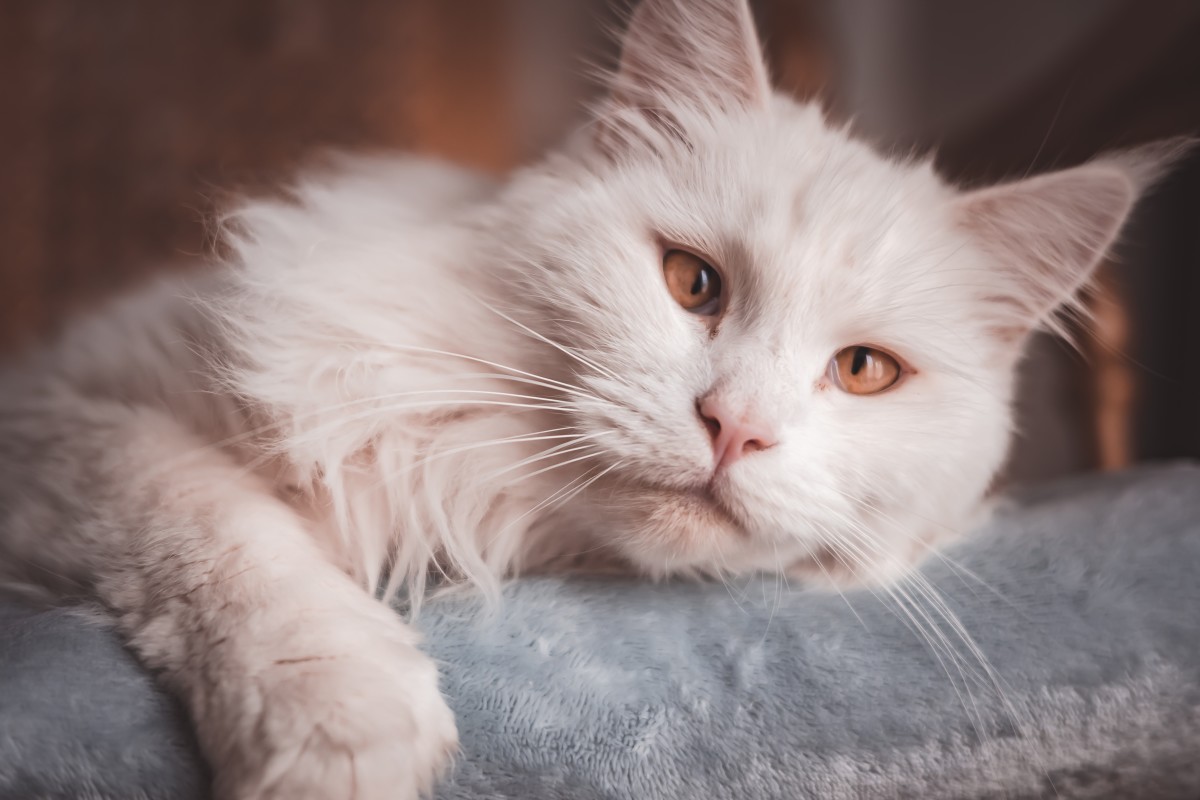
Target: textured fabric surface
(1084, 597)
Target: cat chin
(666, 531)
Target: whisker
(551, 451)
(954, 565)
(261, 429)
(412, 348)
(989, 678)
(543, 383)
(276, 449)
(563, 501)
(430, 404)
(721, 574)
(567, 487)
(561, 347)
(923, 626)
(816, 560)
(778, 591)
(595, 454)
(516, 439)
(922, 586)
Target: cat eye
(693, 282)
(864, 370)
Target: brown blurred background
(124, 123)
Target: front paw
(343, 728)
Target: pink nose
(733, 435)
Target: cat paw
(344, 728)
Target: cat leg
(299, 684)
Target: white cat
(710, 335)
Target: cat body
(712, 334)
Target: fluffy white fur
(410, 370)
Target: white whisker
(412, 348)
(989, 677)
(924, 627)
(565, 447)
(595, 454)
(566, 488)
(561, 347)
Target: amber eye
(863, 370)
(693, 282)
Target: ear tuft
(1147, 164)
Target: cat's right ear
(681, 58)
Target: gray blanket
(1084, 599)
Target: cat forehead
(767, 195)
(784, 180)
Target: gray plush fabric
(1084, 597)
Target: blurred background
(125, 123)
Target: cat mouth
(709, 495)
(702, 498)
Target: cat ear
(696, 54)
(1049, 232)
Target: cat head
(789, 349)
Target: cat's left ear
(1048, 233)
(700, 55)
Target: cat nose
(733, 435)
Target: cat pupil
(701, 280)
(860, 359)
